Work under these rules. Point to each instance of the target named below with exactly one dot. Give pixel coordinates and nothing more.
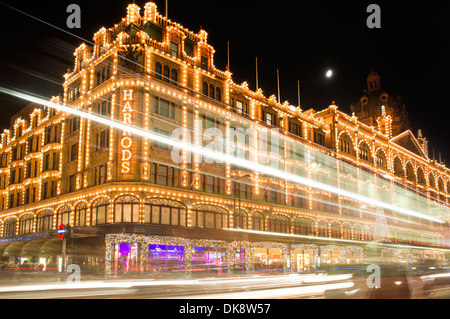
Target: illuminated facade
(132, 206)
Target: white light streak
(220, 156)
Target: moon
(329, 73)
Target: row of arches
(161, 211)
(402, 169)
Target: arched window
(364, 152)
(398, 168)
(278, 224)
(45, 221)
(174, 77)
(211, 91)
(335, 230)
(345, 144)
(431, 181)
(323, 229)
(303, 226)
(218, 94)
(440, 184)
(164, 212)
(381, 159)
(166, 73)
(26, 224)
(80, 214)
(158, 70)
(205, 88)
(9, 228)
(240, 219)
(209, 216)
(258, 221)
(357, 232)
(346, 231)
(99, 211)
(421, 177)
(126, 209)
(410, 175)
(64, 215)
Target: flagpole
(228, 55)
(257, 86)
(167, 8)
(298, 87)
(278, 83)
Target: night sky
(303, 39)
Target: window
(55, 157)
(74, 124)
(64, 215)
(126, 209)
(166, 73)
(240, 219)
(364, 152)
(164, 108)
(239, 107)
(303, 226)
(218, 94)
(102, 140)
(211, 91)
(205, 89)
(204, 63)
(164, 133)
(46, 162)
(45, 221)
(208, 183)
(189, 47)
(381, 159)
(258, 221)
(174, 77)
(10, 227)
(103, 74)
(163, 175)
(335, 230)
(319, 138)
(278, 224)
(73, 152)
(345, 144)
(323, 229)
(105, 108)
(210, 217)
(26, 225)
(268, 118)
(158, 70)
(80, 214)
(174, 49)
(164, 212)
(100, 211)
(72, 183)
(45, 190)
(295, 128)
(100, 175)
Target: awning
(3, 247)
(13, 250)
(32, 249)
(51, 247)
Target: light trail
(219, 156)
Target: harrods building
(132, 208)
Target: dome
(369, 106)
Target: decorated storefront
(137, 253)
